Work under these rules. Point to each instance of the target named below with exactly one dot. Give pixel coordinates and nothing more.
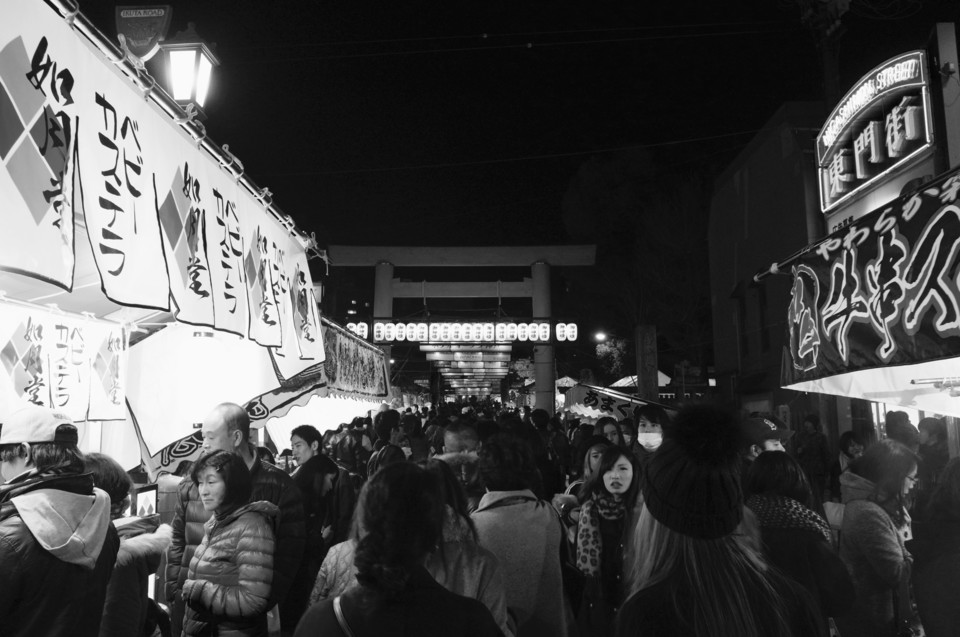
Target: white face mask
(650, 440)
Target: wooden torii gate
(538, 258)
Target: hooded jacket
(142, 542)
(57, 551)
(227, 589)
(875, 556)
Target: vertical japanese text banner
(38, 141)
(68, 363)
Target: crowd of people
(472, 521)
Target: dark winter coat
(936, 576)
(270, 484)
(228, 585)
(58, 590)
(142, 542)
(801, 549)
(423, 609)
(342, 501)
(309, 478)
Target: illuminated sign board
(883, 123)
(472, 332)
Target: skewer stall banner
(169, 226)
(353, 366)
(881, 292)
(72, 364)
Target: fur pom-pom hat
(692, 483)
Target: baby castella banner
(168, 227)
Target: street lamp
(600, 336)
(190, 64)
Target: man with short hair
(460, 445)
(57, 545)
(759, 434)
(227, 428)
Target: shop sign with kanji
(881, 126)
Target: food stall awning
(589, 403)
(144, 277)
(875, 306)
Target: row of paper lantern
(464, 332)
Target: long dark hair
(609, 458)
(452, 491)
(886, 464)
(400, 520)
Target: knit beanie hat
(692, 483)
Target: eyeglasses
(913, 479)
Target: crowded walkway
(469, 519)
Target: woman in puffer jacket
(228, 583)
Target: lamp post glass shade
(190, 65)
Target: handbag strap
(338, 611)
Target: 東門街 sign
(882, 291)
(882, 124)
(474, 332)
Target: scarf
(781, 512)
(589, 542)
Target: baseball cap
(34, 424)
(756, 429)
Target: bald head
(227, 427)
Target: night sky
(466, 123)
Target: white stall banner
(68, 363)
(38, 128)
(170, 227)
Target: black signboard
(880, 291)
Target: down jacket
(227, 589)
(57, 550)
(270, 484)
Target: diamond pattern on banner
(10, 125)
(182, 227)
(31, 175)
(13, 60)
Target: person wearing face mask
(651, 421)
(604, 520)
